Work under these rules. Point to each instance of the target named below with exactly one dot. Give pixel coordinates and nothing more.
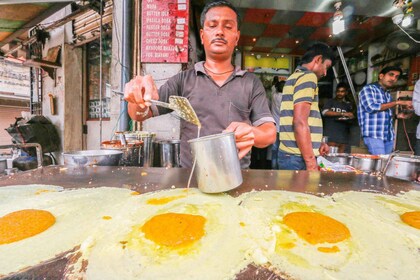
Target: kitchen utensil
(179, 104)
(403, 167)
(333, 150)
(131, 151)
(92, 157)
(146, 151)
(168, 153)
(384, 167)
(341, 158)
(366, 163)
(3, 165)
(182, 108)
(217, 163)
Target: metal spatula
(182, 107)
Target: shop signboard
(164, 31)
(14, 79)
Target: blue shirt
(373, 122)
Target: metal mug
(217, 163)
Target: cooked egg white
(311, 237)
(172, 234)
(40, 222)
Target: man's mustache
(219, 39)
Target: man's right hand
(140, 90)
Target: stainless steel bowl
(341, 158)
(92, 157)
(367, 163)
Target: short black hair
(318, 49)
(219, 3)
(389, 69)
(342, 85)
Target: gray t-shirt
(241, 98)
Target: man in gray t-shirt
(225, 98)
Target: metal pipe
(39, 154)
(101, 105)
(346, 70)
(127, 57)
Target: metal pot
(146, 151)
(3, 165)
(167, 153)
(367, 163)
(402, 167)
(131, 152)
(92, 157)
(341, 158)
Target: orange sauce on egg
(163, 200)
(174, 230)
(411, 219)
(22, 224)
(333, 249)
(316, 228)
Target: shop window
(93, 77)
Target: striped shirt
(301, 86)
(373, 122)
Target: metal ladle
(388, 161)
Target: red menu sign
(164, 31)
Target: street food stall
(119, 206)
(149, 180)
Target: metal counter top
(152, 179)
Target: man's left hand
(244, 137)
(324, 149)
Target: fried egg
(172, 234)
(311, 237)
(40, 222)
(401, 213)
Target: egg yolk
(163, 200)
(316, 228)
(411, 219)
(22, 224)
(174, 229)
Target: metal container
(169, 153)
(146, 151)
(3, 165)
(402, 167)
(341, 158)
(131, 151)
(92, 157)
(367, 163)
(217, 163)
(333, 150)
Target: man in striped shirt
(300, 119)
(375, 112)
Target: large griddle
(153, 179)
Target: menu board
(164, 31)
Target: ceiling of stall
(290, 26)
(17, 19)
(268, 26)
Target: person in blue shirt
(375, 112)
